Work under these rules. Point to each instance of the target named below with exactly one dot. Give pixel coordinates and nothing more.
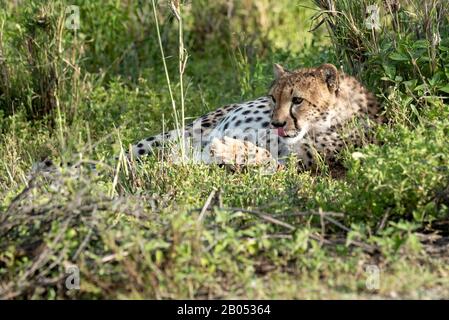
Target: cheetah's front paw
(237, 152)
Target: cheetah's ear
(329, 73)
(279, 71)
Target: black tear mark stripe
(295, 120)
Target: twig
(31, 185)
(113, 256)
(320, 239)
(383, 221)
(263, 216)
(278, 236)
(82, 245)
(366, 247)
(338, 224)
(308, 213)
(206, 205)
(220, 198)
(323, 227)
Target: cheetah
(308, 112)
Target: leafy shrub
(406, 177)
(404, 52)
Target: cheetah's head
(301, 98)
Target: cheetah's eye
(297, 100)
(272, 98)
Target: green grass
(163, 231)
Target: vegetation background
(162, 231)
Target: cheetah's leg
(240, 153)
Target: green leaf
(396, 56)
(410, 84)
(445, 88)
(420, 44)
(407, 100)
(390, 70)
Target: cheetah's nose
(278, 124)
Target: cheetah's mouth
(287, 134)
(281, 132)
(294, 136)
